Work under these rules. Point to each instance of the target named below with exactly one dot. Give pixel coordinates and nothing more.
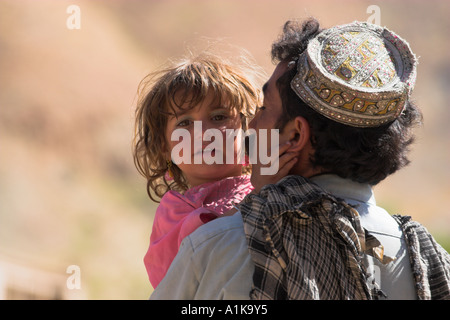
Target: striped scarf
(307, 244)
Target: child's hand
(286, 162)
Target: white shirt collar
(345, 188)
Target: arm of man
(212, 263)
(180, 281)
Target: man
(340, 98)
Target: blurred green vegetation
(443, 240)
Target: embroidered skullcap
(357, 74)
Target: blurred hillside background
(69, 192)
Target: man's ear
(299, 134)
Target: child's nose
(211, 125)
(206, 125)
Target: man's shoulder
(230, 228)
(213, 263)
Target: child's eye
(183, 123)
(219, 117)
(260, 108)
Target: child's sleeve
(175, 219)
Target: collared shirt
(394, 278)
(214, 261)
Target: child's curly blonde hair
(191, 81)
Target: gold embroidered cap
(357, 74)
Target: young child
(204, 90)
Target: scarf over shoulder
(307, 244)
(178, 215)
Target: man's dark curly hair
(366, 155)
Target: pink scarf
(178, 215)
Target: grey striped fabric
(430, 262)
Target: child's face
(205, 161)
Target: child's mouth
(208, 152)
